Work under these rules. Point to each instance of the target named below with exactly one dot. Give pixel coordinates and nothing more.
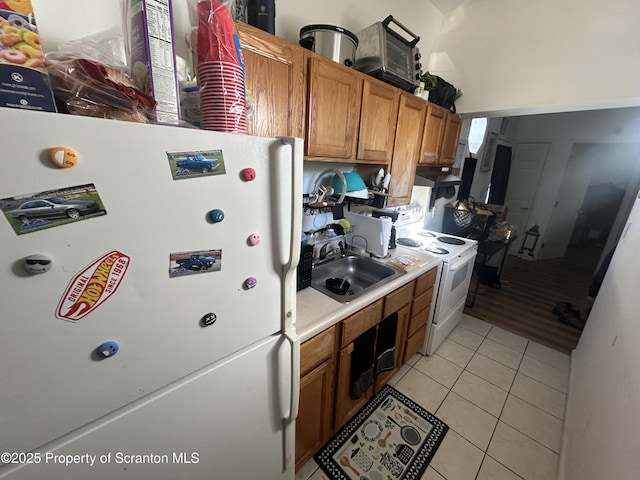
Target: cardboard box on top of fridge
(152, 56)
(24, 82)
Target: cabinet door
(346, 407)
(315, 415)
(401, 334)
(450, 139)
(407, 150)
(333, 109)
(275, 81)
(414, 343)
(433, 134)
(378, 118)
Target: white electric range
(458, 257)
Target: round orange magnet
(63, 157)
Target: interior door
(526, 169)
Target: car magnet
(209, 319)
(216, 216)
(248, 174)
(107, 349)
(63, 157)
(38, 263)
(52, 208)
(250, 282)
(254, 239)
(202, 163)
(195, 262)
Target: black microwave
(387, 54)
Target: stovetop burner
(436, 250)
(424, 233)
(451, 240)
(408, 242)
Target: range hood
(435, 177)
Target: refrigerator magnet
(254, 239)
(63, 157)
(93, 286)
(189, 263)
(196, 164)
(248, 174)
(36, 264)
(52, 208)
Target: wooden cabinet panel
(425, 281)
(422, 301)
(419, 318)
(407, 149)
(360, 322)
(275, 81)
(398, 299)
(433, 134)
(414, 343)
(401, 334)
(346, 407)
(315, 415)
(334, 99)
(450, 139)
(317, 349)
(378, 116)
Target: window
(476, 134)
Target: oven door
(454, 284)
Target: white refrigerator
(161, 341)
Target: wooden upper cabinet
(450, 139)
(275, 81)
(407, 149)
(333, 109)
(433, 134)
(378, 116)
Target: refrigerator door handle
(289, 197)
(294, 399)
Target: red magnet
(254, 239)
(248, 174)
(63, 157)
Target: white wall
(602, 422)
(519, 57)
(80, 18)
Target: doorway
(594, 200)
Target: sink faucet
(325, 253)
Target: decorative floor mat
(391, 437)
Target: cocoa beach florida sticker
(93, 286)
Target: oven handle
(462, 261)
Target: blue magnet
(209, 319)
(216, 215)
(251, 282)
(108, 349)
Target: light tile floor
(503, 398)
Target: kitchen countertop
(316, 311)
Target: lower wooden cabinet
(418, 325)
(353, 327)
(326, 361)
(314, 424)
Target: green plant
(430, 81)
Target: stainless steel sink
(362, 273)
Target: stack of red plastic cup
(220, 70)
